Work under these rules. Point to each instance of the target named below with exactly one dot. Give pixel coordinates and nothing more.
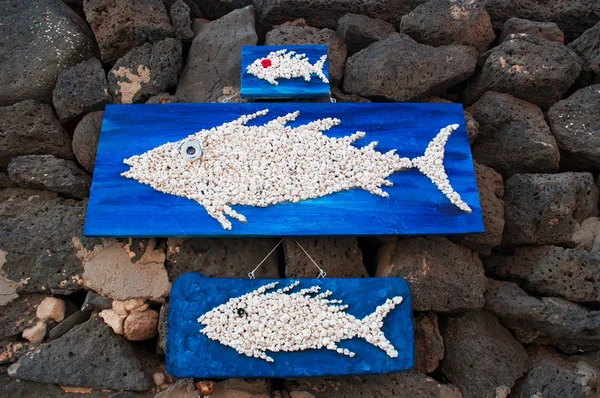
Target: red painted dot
(265, 63)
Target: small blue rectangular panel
(124, 207)
(190, 353)
(253, 87)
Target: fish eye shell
(191, 150)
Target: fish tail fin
(242, 120)
(432, 165)
(318, 69)
(370, 327)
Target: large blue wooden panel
(254, 88)
(191, 354)
(123, 207)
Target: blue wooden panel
(123, 207)
(254, 88)
(190, 353)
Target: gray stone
(554, 375)
(182, 388)
(428, 341)
(29, 389)
(482, 358)
(96, 302)
(552, 271)
(340, 96)
(145, 71)
(575, 123)
(326, 13)
(491, 191)
(119, 26)
(298, 32)
(569, 327)
(443, 276)
(19, 314)
(587, 46)
(163, 315)
(533, 69)
(39, 233)
(89, 355)
(77, 318)
(11, 349)
(572, 16)
(181, 21)
(233, 257)
(38, 40)
(81, 89)
(444, 22)
(547, 209)
(163, 98)
(359, 31)
(383, 71)
(194, 5)
(85, 139)
(338, 257)
(214, 61)
(50, 173)
(30, 128)
(514, 27)
(514, 137)
(5, 182)
(406, 384)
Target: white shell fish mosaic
(236, 164)
(261, 321)
(284, 64)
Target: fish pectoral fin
(343, 351)
(234, 214)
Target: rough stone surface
(11, 349)
(30, 128)
(19, 314)
(120, 26)
(37, 234)
(215, 9)
(77, 318)
(482, 358)
(163, 315)
(383, 71)
(50, 173)
(548, 208)
(145, 71)
(491, 191)
(182, 388)
(29, 389)
(575, 123)
(232, 257)
(181, 21)
(163, 98)
(572, 16)
(443, 276)
(568, 326)
(112, 269)
(38, 40)
(80, 89)
(513, 136)
(108, 360)
(140, 326)
(5, 182)
(359, 31)
(587, 46)
(514, 27)
(215, 57)
(554, 375)
(85, 139)
(406, 384)
(552, 271)
(534, 69)
(298, 32)
(429, 342)
(326, 14)
(96, 302)
(51, 308)
(443, 22)
(338, 257)
(194, 5)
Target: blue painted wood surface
(255, 88)
(123, 207)
(191, 354)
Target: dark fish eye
(241, 312)
(191, 150)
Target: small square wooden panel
(281, 72)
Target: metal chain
(322, 273)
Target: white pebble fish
(235, 164)
(276, 321)
(284, 64)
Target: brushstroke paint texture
(123, 207)
(191, 354)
